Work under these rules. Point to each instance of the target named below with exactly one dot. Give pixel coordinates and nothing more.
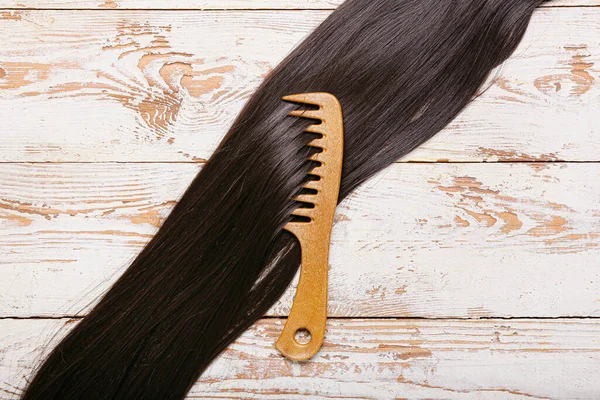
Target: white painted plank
(376, 359)
(419, 240)
(211, 4)
(165, 86)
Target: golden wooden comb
(309, 310)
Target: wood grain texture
(436, 241)
(375, 359)
(211, 4)
(419, 240)
(124, 86)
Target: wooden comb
(309, 310)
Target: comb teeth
(307, 98)
(312, 114)
(319, 157)
(312, 226)
(316, 99)
(329, 116)
(303, 212)
(318, 129)
(318, 143)
(306, 198)
(318, 171)
(315, 185)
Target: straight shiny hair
(402, 70)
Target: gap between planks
(228, 9)
(361, 318)
(204, 161)
(232, 9)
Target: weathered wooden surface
(82, 85)
(376, 359)
(424, 240)
(165, 86)
(210, 4)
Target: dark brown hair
(402, 70)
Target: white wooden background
(469, 270)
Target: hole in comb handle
(302, 336)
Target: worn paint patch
(581, 68)
(11, 15)
(205, 82)
(156, 101)
(580, 79)
(153, 215)
(170, 76)
(486, 207)
(20, 207)
(511, 222)
(15, 75)
(514, 155)
(461, 222)
(16, 220)
(107, 233)
(414, 352)
(483, 217)
(401, 290)
(378, 291)
(518, 93)
(109, 4)
(552, 226)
